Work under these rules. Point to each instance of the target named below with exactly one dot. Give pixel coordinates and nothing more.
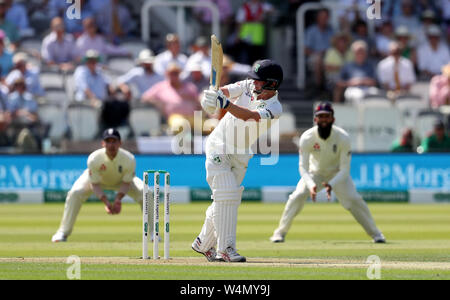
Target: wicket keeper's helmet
(269, 71)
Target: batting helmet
(269, 71)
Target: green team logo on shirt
(217, 160)
(261, 106)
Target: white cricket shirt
(111, 173)
(235, 136)
(328, 158)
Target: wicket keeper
(325, 155)
(109, 168)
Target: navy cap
(267, 70)
(111, 133)
(324, 108)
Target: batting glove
(222, 101)
(209, 102)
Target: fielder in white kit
(254, 99)
(109, 168)
(325, 155)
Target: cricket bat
(216, 62)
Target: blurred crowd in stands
(410, 44)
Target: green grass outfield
(324, 243)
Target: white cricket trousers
(346, 194)
(224, 174)
(81, 191)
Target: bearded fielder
(251, 100)
(325, 156)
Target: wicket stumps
(145, 210)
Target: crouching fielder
(255, 99)
(110, 168)
(325, 156)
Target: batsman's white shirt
(328, 158)
(111, 173)
(229, 136)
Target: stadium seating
(409, 109)
(145, 121)
(83, 121)
(50, 80)
(54, 116)
(120, 65)
(347, 117)
(56, 96)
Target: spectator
(335, 57)
(428, 19)
(75, 26)
(384, 38)
(24, 118)
(8, 27)
(440, 88)
(97, 5)
(174, 98)
(201, 56)
(92, 40)
(56, 8)
(6, 58)
(204, 14)
(171, 54)
(433, 55)
(360, 32)
(395, 73)
(196, 77)
(18, 15)
(233, 71)
(59, 48)
(407, 17)
(357, 78)
(403, 37)
(251, 18)
(114, 21)
(5, 121)
(142, 76)
(23, 70)
(317, 42)
(405, 143)
(350, 12)
(438, 141)
(91, 84)
(445, 8)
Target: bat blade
(216, 62)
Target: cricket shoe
(379, 239)
(210, 254)
(277, 238)
(59, 237)
(230, 255)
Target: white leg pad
(208, 235)
(226, 204)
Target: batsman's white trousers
(346, 194)
(82, 190)
(224, 174)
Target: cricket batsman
(325, 155)
(109, 168)
(251, 100)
